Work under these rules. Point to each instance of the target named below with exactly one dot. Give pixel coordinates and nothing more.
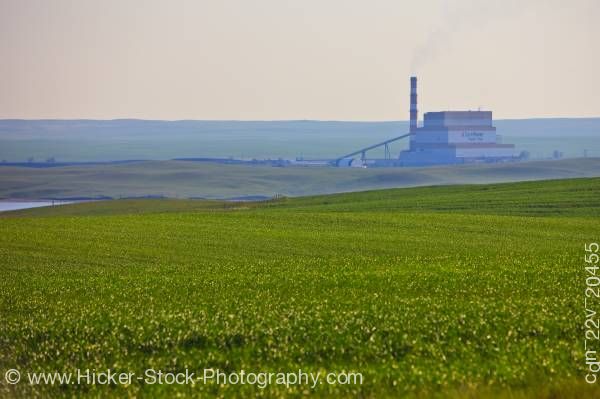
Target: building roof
(458, 118)
(460, 114)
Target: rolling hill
(179, 179)
(447, 292)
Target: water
(12, 205)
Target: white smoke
(458, 16)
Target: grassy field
(209, 180)
(466, 291)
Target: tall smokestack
(413, 104)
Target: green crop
(423, 301)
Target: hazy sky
(297, 59)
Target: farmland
(434, 291)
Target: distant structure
(414, 113)
(447, 137)
(451, 137)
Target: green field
(457, 291)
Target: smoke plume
(459, 16)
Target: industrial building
(451, 137)
(446, 137)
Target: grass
(472, 291)
(537, 198)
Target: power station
(446, 137)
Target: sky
(297, 59)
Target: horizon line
(277, 120)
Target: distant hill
(104, 140)
(179, 179)
(567, 197)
